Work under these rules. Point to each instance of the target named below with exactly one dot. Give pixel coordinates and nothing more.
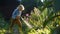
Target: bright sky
(42, 0)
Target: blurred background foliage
(44, 17)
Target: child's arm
(14, 12)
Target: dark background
(7, 6)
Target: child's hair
(21, 6)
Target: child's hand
(17, 17)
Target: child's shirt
(15, 13)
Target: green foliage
(40, 31)
(47, 19)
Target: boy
(16, 17)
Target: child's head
(21, 7)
